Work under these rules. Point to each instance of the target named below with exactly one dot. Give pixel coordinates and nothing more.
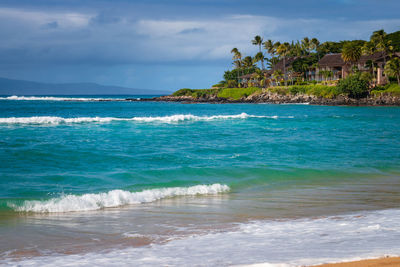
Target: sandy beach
(391, 261)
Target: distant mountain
(21, 87)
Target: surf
(160, 119)
(113, 198)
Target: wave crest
(160, 119)
(114, 198)
(53, 98)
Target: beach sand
(391, 261)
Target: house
(340, 69)
(330, 62)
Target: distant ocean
(89, 181)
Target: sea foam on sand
(270, 243)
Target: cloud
(54, 37)
(64, 19)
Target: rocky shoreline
(274, 98)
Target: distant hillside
(20, 87)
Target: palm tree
(326, 74)
(369, 64)
(378, 38)
(269, 45)
(277, 74)
(259, 76)
(272, 62)
(283, 50)
(237, 57)
(248, 62)
(351, 53)
(315, 66)
(392, 68)
(315, 44)
(296, 49)
(369, 49)
(259, 41)
(306, 45)
(236, 54)
(304, 68)
(259, 57)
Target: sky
(166, 44)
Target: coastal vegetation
(305, 67)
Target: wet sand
(392, 261)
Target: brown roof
(335, 60)
(331, 60)
(246, 76)
(288, 63)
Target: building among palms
(334, 63)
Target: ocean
(95, 180)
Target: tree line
(308, 51)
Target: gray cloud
(112, 40)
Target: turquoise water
(263, 160)
(44, 160)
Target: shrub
(316, 90)
(196, 92)
(237, 93)
(232, 84)
(389, 89)
(183, 92)
(219, 85)
(353, 86)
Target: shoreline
(384, 261)
(274, 98)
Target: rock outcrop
(274, 98)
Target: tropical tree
(259, 76)
(236, 54)
(270, 46)
(369, 64)
(315, 44)
(272, 62)
(351, 53)
(326, 74)
(277, 75)
(283, 50)
(392, 68)
(382, 44)
(306, 45)
(259, 57)
(296, 49)
(237, 57)
(368, 48)
(248, 62)
(259, 41)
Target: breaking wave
(53, 98)
(114, 198)
(161, 119)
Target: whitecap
(114, 198)
(53, 98)
(159, 119)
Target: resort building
(334, 63)
(340, 69)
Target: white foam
(53, 98)
(114, 198)
(268, 243)
(160, 119)
(53, 120)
